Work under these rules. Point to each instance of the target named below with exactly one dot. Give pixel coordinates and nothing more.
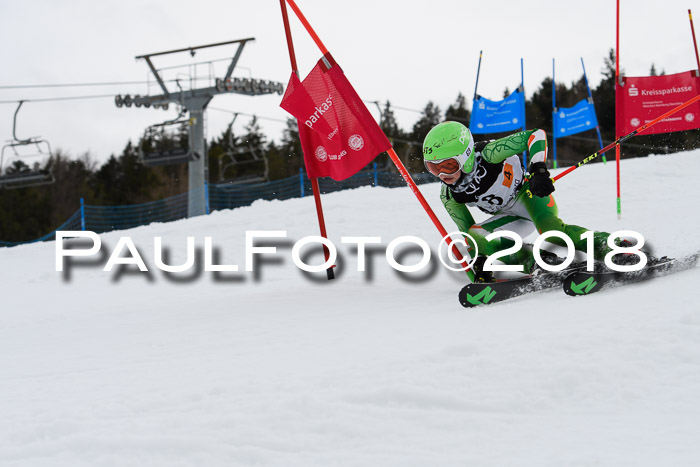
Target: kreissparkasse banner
(641, 99)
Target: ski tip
(483, 295)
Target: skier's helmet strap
(447, 140)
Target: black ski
(585, 283)
(486, 293)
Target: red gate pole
(617, 85)
(392, 154)
(695, 43)
(314, 181)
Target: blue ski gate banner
(498, 116)
(572, 120)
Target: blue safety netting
(73, 223)
(106, 218)
(220, 196)
(229, 196)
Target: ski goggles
(447, 167)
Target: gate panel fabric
(642, 99)
(498, 116)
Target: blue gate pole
(82, 214)
(590, 99)
(522, 86)
(554, 116)
(376, 178)
(301, 181)
(478, 69)
(206, 197)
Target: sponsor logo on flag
(338, 134)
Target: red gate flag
(338, 134)
(641, 99)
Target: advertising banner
(641, 99)
(498, 116)
(572, 120)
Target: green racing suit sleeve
(534, 141)
(458, 212)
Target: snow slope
(373, 369)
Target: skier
(490, 175)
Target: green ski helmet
(447, 148)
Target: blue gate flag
(569, 121)
(498, 116)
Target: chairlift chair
(238, 155)
(9, 155)
(164, 156)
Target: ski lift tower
(195, 101)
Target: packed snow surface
(282, 368)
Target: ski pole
(628, 136)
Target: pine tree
(396, 136)
(290, 149)
(251, 157)
(430, 117)
(539, 107)
(124, 180)
(72, 183)
(604, 98)
(388, 123)
(458, 111)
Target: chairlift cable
(67, 98)
(396, 107)
(110, 83)
(68, 85)
(75, 85)
(247, 114)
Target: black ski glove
(540, 182)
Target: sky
(407, 52)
